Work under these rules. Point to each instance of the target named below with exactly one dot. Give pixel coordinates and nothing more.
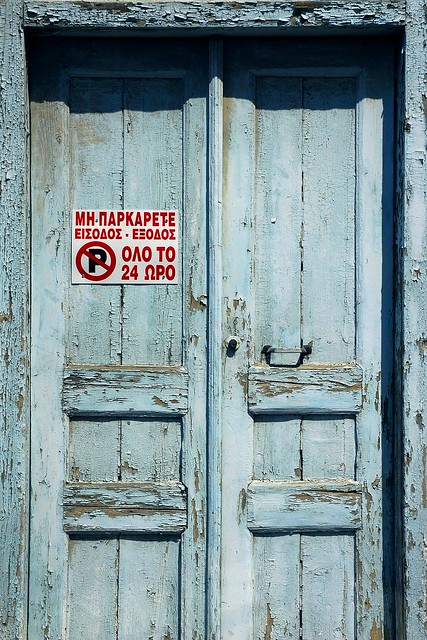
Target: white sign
(125, 247)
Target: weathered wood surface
(132, 449)
(326, 390)
(412, 322)
(328, 587)
(14, 325)
(304, 506)
(144, 392)
(329, 222)
(374, 302)
(278, 189)
(277, 583)
(119, 586)
(58, 15)
(92, 588)
(149, 591)
(153, 106)
(88, 324)
(48, 541)
(127, 507)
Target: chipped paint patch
(376, 631)
(421, 343)
(198, 303)
(159, 402)
(269, 623)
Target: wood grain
(128, 507)
(14, 324)
(325, 390)
(181, 15)
(143, 392)
(303, 506)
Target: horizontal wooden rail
(315, 390)
(304, 506)
(113, 391)
(231, 16)
(124, 507)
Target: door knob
(232, 343)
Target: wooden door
(307, 261)
(132, 468)
(118, 424)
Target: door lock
(232, 343)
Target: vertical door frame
(411, 251)
(14, 324)
(410, 362)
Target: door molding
(287, 18)
(215, 17)
(215, 347)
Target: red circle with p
(100, 256)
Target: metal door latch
(276, 357)
(232, 344)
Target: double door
(210, 457)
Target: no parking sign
(124, 247)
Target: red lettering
(170, 272)
(90, 218)
(149, 272)
(80, 218)
(126, 253)
(137, 254)
(147, 254)
(170, 254)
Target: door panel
(118, 427)
(307, 220)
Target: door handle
(277, 357)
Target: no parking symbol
(96, 261)
(124, 247)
